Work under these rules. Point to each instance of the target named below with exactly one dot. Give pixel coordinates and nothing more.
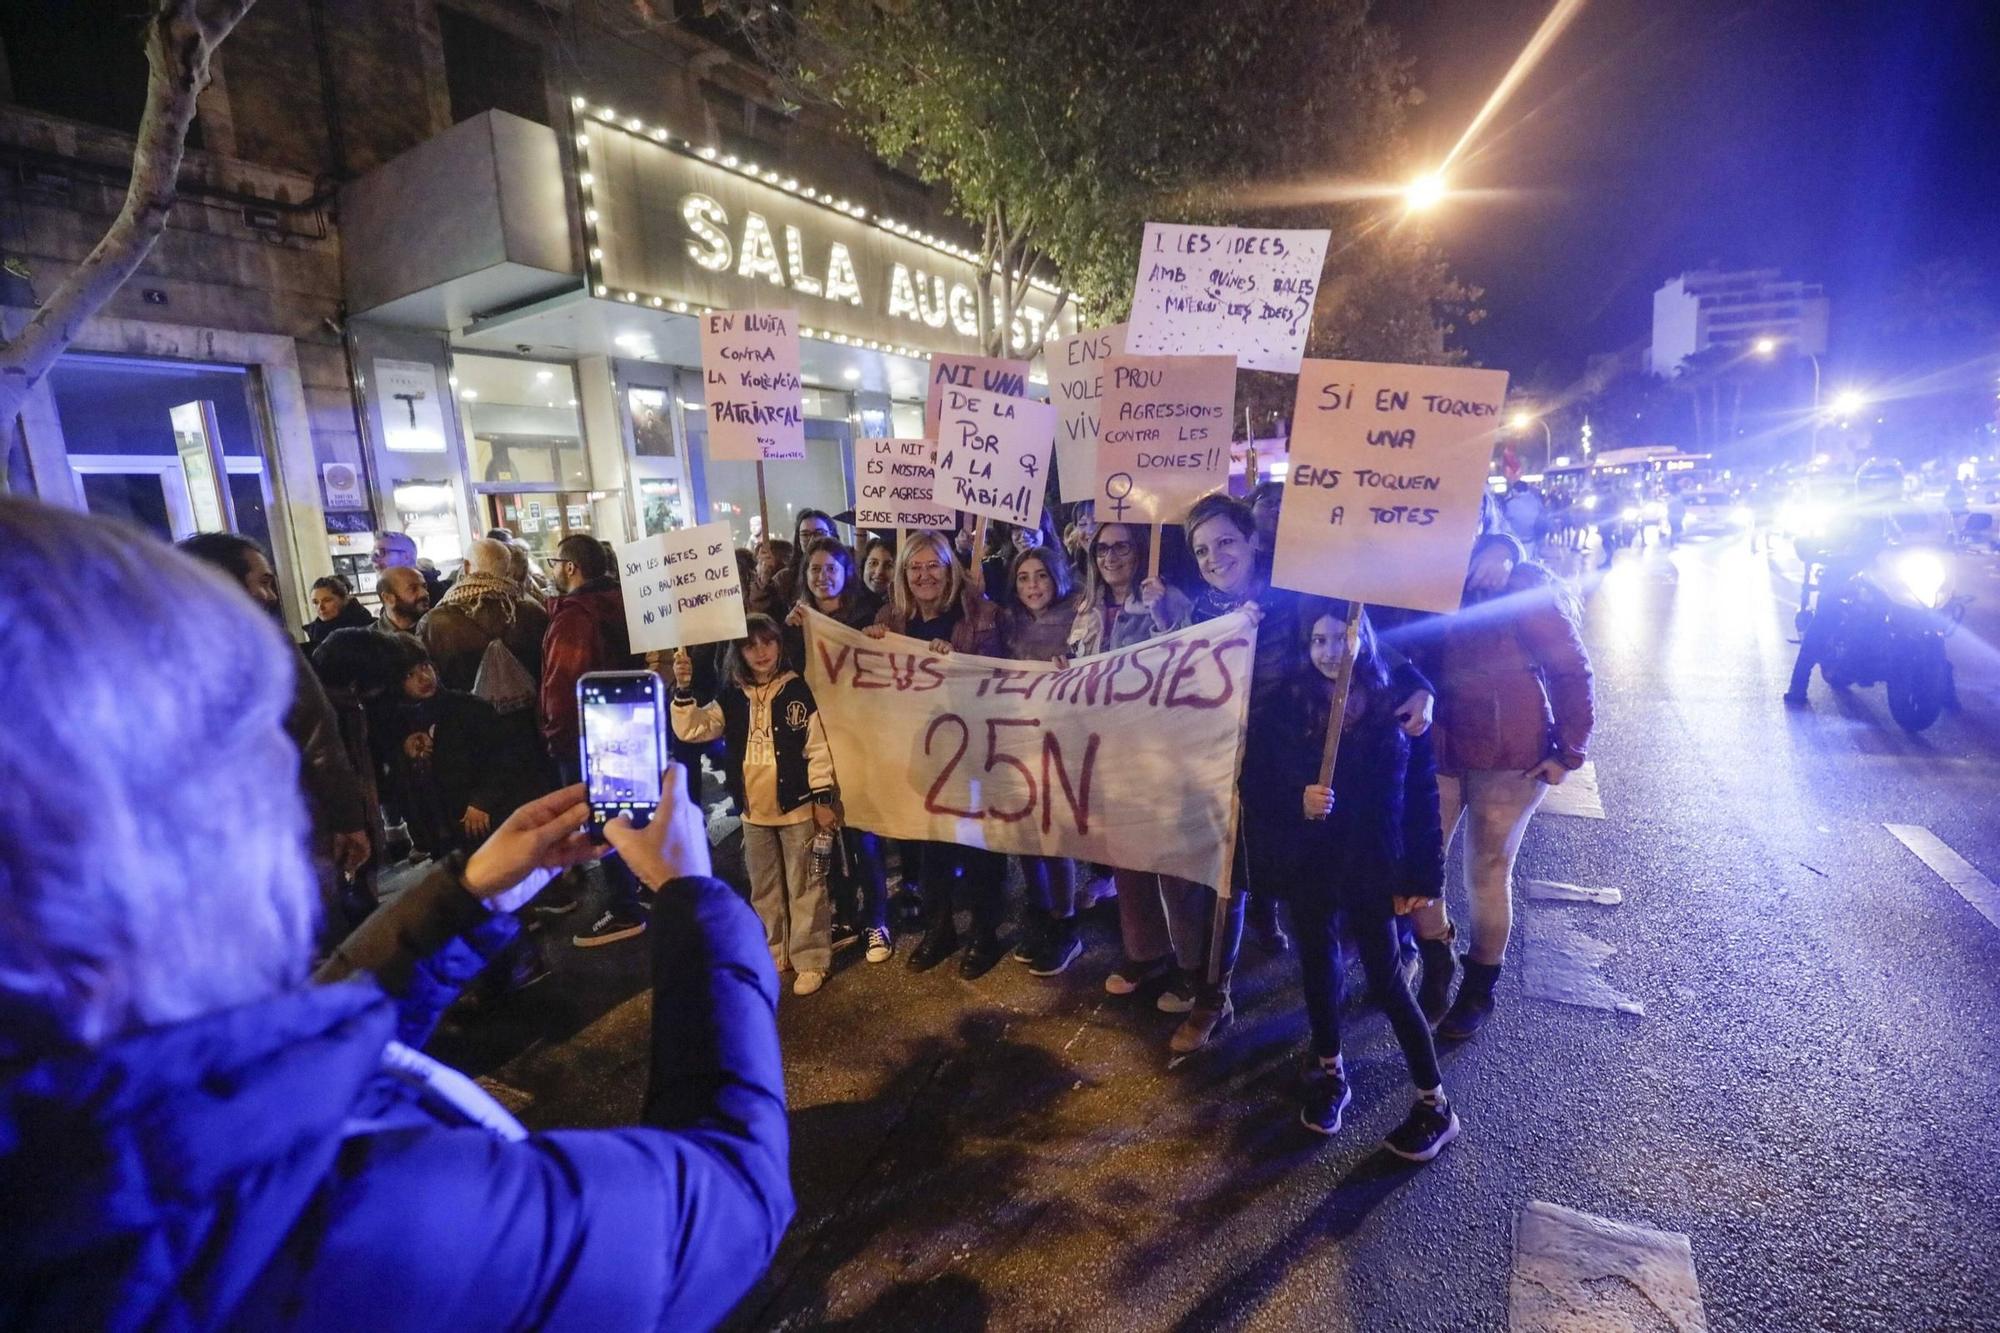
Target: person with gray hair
(398, 550)
(484, 605)
(194, 1135)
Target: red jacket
(1513, 681)
(586, 633)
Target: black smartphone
(624, 741)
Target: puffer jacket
(283, 1164)
(1513, 679)
(586, 633)
(479, 609)
(1028, 637)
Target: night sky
(1842, 142)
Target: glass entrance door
(540, 518)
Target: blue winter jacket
(264, 1167)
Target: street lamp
(1767, 348)
(1523, 420)
(1848, 402)
(1424, 193)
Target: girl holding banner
(1351, 855)
(862, 889)
(933, 599)
(1036, 628)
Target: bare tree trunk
(181, 36)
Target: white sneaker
(805, 983)
(881, 946)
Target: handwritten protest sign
(750, 370)
(1164, 435)
(985, 374)
(1076, 384)
(1245, 292)
(892, 485)
(993, 455)
(1388, 464)
(1127, 758)
(681, 588)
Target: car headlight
(1629, 514)
(1590, 502)
(1925, 574)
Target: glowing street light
(1765, 346)
(1848, 402)
(1424, 193)
(1522, 420)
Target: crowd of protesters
(458, 706)
(444, 725)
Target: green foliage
(1060, 129)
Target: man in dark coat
(483, 606)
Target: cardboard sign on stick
(681, 588)
(983, 374)
(750, 374)
(1245, 292)
(1076, 386)
(1164, 437)
(1388, 465)
(892, 485)
(993, 455)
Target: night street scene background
(1331, 664)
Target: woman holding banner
(1515, 710)
(861, 892)
(1036, 628)
(932, 599)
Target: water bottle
(819, 863)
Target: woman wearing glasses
(932, 599)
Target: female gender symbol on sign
(1118, 502)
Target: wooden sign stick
(1153, 551)
(763, 504)
(976, 562)
(1350, 647)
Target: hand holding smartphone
(624, 742)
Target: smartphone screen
(624, 744)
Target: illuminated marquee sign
(668, 228)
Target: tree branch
(181, 37)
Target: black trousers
(981, 879)
(1316, 927)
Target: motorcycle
(1892, 620)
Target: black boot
(1474, 1004)
(940, 933)
(1440, 966)
(1034, 935)
(980, 955)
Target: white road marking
(1577, 1273)
(1562, 964)
(1552, 891)
(1952, 868)
(1578, 795)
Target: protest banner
(750, 374)
(1164, 435)
(1388, 465)
(982, 374)
(892, 485)
(681, 588)
(1128, 758)
(993, 455)
(1076, 385)
(1244, 292)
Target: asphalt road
(1799, 1071)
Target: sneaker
(1325, 1100)
(1060, 948)
(1129, 976)
(1200, 1026)
(881, 944)
(805, 983)
(1177, 996)
(619, 923)
(844, 935)
(558, 907)
(1423, 1134)
(1033, 939)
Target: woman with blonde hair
(932, 600)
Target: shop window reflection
(522, 422)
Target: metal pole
(1814, 455)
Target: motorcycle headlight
(1629, 514)
(1925, 574)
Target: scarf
(472, 588)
